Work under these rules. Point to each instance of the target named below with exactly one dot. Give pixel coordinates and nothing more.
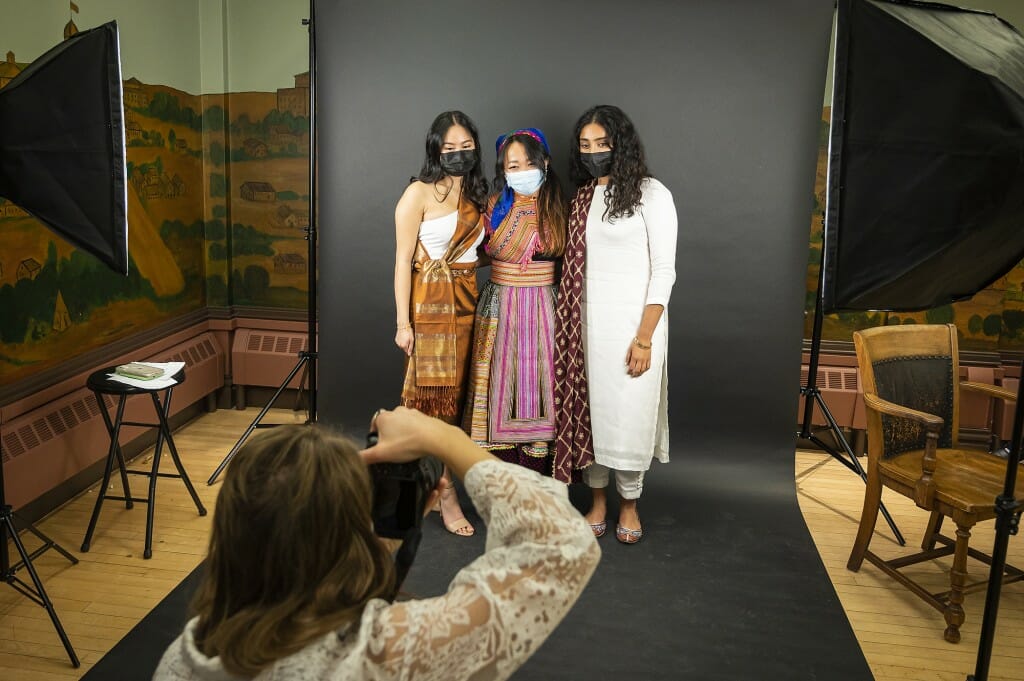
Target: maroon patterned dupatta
(574, 443)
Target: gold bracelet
(636, 342)
(404, 327)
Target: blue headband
(504, 202)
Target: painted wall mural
(992, 320)
(218, 202)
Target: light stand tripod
(8, 572)
(307, 358)
(1008, 511)
(812, 396)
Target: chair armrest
(991, 390)
(929, 421)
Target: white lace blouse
(498, 610)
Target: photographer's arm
(500, 608)
(406, 435)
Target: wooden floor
(112, 588)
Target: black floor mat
(726, 584)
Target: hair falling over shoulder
(629, 165)
(474, 185)
(292, 553)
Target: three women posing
(593, 376)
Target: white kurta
(630, 263)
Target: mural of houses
(11, 210)
(8, 69)
(132, 130)
(297, 218)
(134, 95)
(282, 136)
(61, 318)
(255, 148)
(28, 269)
(295, 99)
(152, 184)
(258, 191)
(290, 263)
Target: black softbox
(926, 156)
(62, 155)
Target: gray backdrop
(727, 98)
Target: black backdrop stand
(8, 572)
(1007, 520)
(812, 396)
(307, 358)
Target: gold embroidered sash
(433, 306)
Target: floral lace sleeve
(501, 607)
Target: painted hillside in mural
(993, 320)
(217, 207)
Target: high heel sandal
(460, 527)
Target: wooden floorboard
(113, 587)
(900, 635)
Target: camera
(400, 493)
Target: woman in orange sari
(438, 231)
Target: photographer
(296, 578)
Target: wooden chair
(910, 376)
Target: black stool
(101, 384)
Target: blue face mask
(525, 182)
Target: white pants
(630, 484)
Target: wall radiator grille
(264, 358)
(44, 447)
(840, 389)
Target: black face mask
(597, 164)
(458, 163)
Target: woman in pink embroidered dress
(510, 401)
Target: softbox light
(925, 198)
(62, 155)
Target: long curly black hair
(474, 185)
(629, 166)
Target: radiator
(46, 446)
(840, 389)
(264, 358)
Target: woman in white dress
(612, 336)
(437, 233)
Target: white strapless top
(436, 233)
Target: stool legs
(112, 454)
(174, 456)
(122, 466)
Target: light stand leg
(36, 592)
(308, 359)
(1008, 511)
(256, 423)
(8, 573)
(812, 396)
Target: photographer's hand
(406, 435)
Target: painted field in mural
(992, 320)
(218, 204)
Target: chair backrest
(916, 366)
